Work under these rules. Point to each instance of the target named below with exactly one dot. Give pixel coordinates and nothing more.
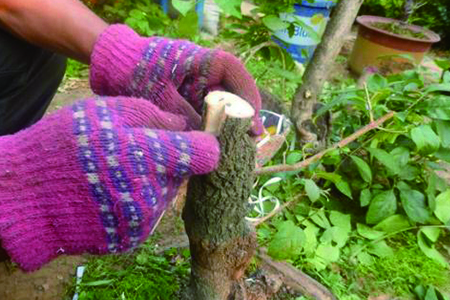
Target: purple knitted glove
(92, 178)
(167, 72)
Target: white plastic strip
(258, 201)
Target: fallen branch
(312, 159)
(295, 278)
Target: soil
(400, 29)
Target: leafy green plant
(395, 274)
(147, 18)
(357, 198)
(254, 35)
(142, 15)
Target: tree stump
(221, 241)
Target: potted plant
(389, 44)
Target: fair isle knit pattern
(165, 59)
(176, 75)
(117, 173)
(89, 162)
(81, 180)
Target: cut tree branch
(312, 159)
(221, 241)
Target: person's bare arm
(65, 26)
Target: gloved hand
(94, 178)
(176, 75)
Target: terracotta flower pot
(381, 48)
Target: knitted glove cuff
(113, 59)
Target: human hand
(94, 177)
(176, 75)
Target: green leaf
(443, 63)
(376, 82)
(401, 156)
(329, 176)
(335, 234)
(310, 238)
(363, 168)
(340, 235)
(409, 172)
(443, 154)
(365, 197)
(287, 242)
(426, 139)
(443, 130)
(429, 250)
(386, 159)
(442, 87)
(274, 23)
(320, 219)
(432, 233)
(431, 190)
(344, 188)
(98, 282)
(187, 26)
(382, 206)
(431, 294)
(328, 253)
(367, 232)
(446, 77)
(414, 204)
(366, 259)
(420, 291)
(380, 249)
(294, 157)
(312, 190)
(439, 108)
(442, 210)
(183, 6)
(232, 7)
(341, 220)
(393, 223)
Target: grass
(396, 275)
(142, 275)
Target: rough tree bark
(316, 72)
(220, 240)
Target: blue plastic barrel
(199, 7)
(301, 45)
